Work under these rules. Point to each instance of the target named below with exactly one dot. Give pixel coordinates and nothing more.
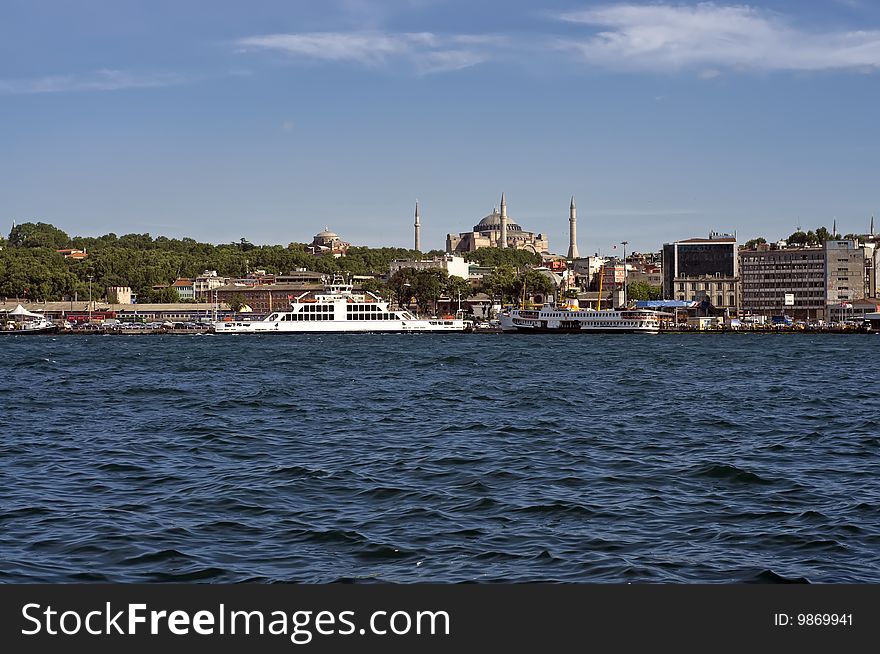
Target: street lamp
(624, 243)
(90, 298)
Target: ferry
(339, 309)
(551, 318)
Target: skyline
(219, 121)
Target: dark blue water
(404, 458)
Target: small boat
(22, 322)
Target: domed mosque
(497, 230)
(328, 243)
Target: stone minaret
(572, 231)
(418, 229)
(503, 243)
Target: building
(119, 294)
(73, 253)
(703, 270)
(207, 282)
(328, 243)
(783, 281)
(856, 310)
(450, 264)
(264, 298)
(488, 234)
(845, 272)
(184, 288)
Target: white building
(450, 263)
(207, 282)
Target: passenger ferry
(339, 309)
(551, 318)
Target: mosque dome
(493, 222)
(326, 234)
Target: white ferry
(339, 309)
(551, 318)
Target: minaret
(572, 231)
(834, 229)
(872, 225)
(503, 243)
(418, 229)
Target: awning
(21, 311)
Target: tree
(400, 284)
(493, 257)
(457, 288)
(752, 243)
(531, 282)
(373, 285)
(798, 238)
(167, 295)
(427, 286)
(822, 235)
(36, 235)
(500, 282)
(236, 301)
(643, 291)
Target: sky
(270, 119)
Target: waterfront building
(845, 272)
(327, 243)
(184, 288)
(119, 294)
(497, 230)
(703, 270)
(451, 264)
(264, 298)
(207, 282)
(783, 281)
(856, 310)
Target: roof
(493, 221)
(665, 304)
(708, 240)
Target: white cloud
(666, 37)
(102, 80)
(427, 52)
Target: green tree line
(31, 268)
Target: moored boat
(22, 322)
(551, 318)
(339, 309)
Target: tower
(834, 229)
(503, 243)
(418, 230)
(572, 231)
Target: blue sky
(269, 120)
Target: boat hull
(341, 327)
(579, 330)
